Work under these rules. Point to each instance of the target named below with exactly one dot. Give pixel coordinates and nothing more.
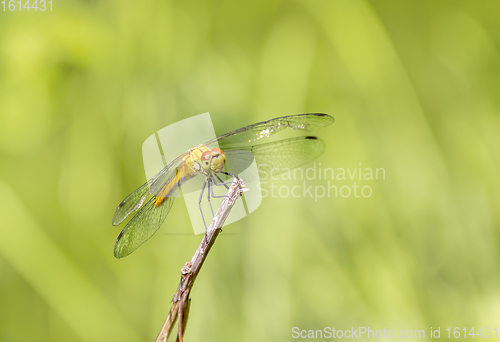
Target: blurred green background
(414, 89)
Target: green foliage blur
(413, 86)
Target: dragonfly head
(213, 160)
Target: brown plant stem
(181, 301)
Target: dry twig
(181, 300)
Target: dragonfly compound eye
(218, 154)
(206, 157)
(217, 151)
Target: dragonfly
(233, 152)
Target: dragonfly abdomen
(183, 173)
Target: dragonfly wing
(142, 226)
(130, 204)
(261, 130)
(136, 199)
(238, 160)
(277, 156)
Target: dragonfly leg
(221, 181)
(234, 176)
(199, 205)
(210, 189)
(230, 174)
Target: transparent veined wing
(275, 157)
(256, 132)
(136, 199)
(130, 204)
(142, 226)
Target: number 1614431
(20, 5)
